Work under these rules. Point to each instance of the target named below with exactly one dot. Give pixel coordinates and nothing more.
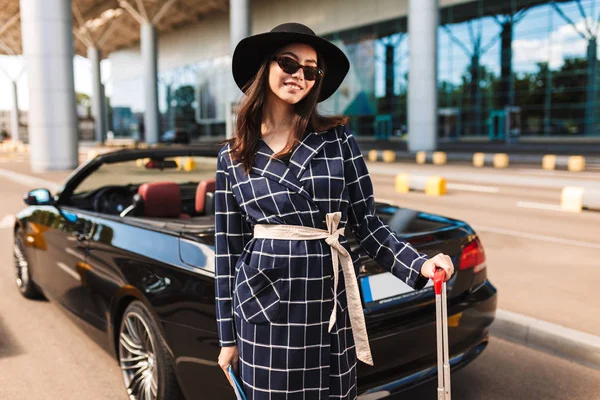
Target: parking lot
(541, 260)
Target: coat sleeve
(232, 233)
(374, 236)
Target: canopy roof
(115, 24)
(111, 24)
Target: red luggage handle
(439, 276)
(441, 311)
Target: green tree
(84, 100)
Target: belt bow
(338, 254)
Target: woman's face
(291, 88)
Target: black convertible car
(127, 247)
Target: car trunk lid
(390, 305)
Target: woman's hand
(229, 356)
(439, 261)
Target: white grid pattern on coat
(280, 312)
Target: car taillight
(473, 256)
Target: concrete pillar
(239, 21)
(150, 66)
(93, 54)
(422, 86)
(105, 109)
(240, 26)
(14, 115)
(46, 31)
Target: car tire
(147, 367)
(25, 283)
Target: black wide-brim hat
(251, 52)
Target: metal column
(240, 26)
(150, 66)
(105, 107)
(14, 115)
(422, 86)
(93, 54)
(239, 21)
(46, 29)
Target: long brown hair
(244, 143)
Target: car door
(103, 276)
(126, 257)
(60, 267)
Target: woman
(289, 314)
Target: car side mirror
(39, 197)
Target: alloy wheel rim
(137, 358)
(21, 266)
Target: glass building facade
(505, 67)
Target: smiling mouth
(293, 86)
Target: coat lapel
(308, 147)
(276, 170)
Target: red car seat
(205, 197)
(159, 200)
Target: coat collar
(289, 176)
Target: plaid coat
(274, 297)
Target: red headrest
(161, 199)
(203, 188)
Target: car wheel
(146, 365)
(23, 279)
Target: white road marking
(68, 270)
(561, 173)
(75, 253)
(11, 160)
(375, 395)
(466, 188)
(195, 360)
(540, 206)
(472, 188)
(534, 236)
(7, 222)
(28, 180)
(392, 202)
(525, 235)
(490, 177)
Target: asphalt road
(43, 354)
(544, 263)
(508, 371)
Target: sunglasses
(290, 66)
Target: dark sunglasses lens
(310, 73)
(288, 65)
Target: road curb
(570, 163)
(578, 198)
(580, 347)
(592, 163)
(431, 185)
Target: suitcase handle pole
(441, 312)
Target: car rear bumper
(425, 375)
(416, 347)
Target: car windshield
(135, 172)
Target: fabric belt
(338, 254)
